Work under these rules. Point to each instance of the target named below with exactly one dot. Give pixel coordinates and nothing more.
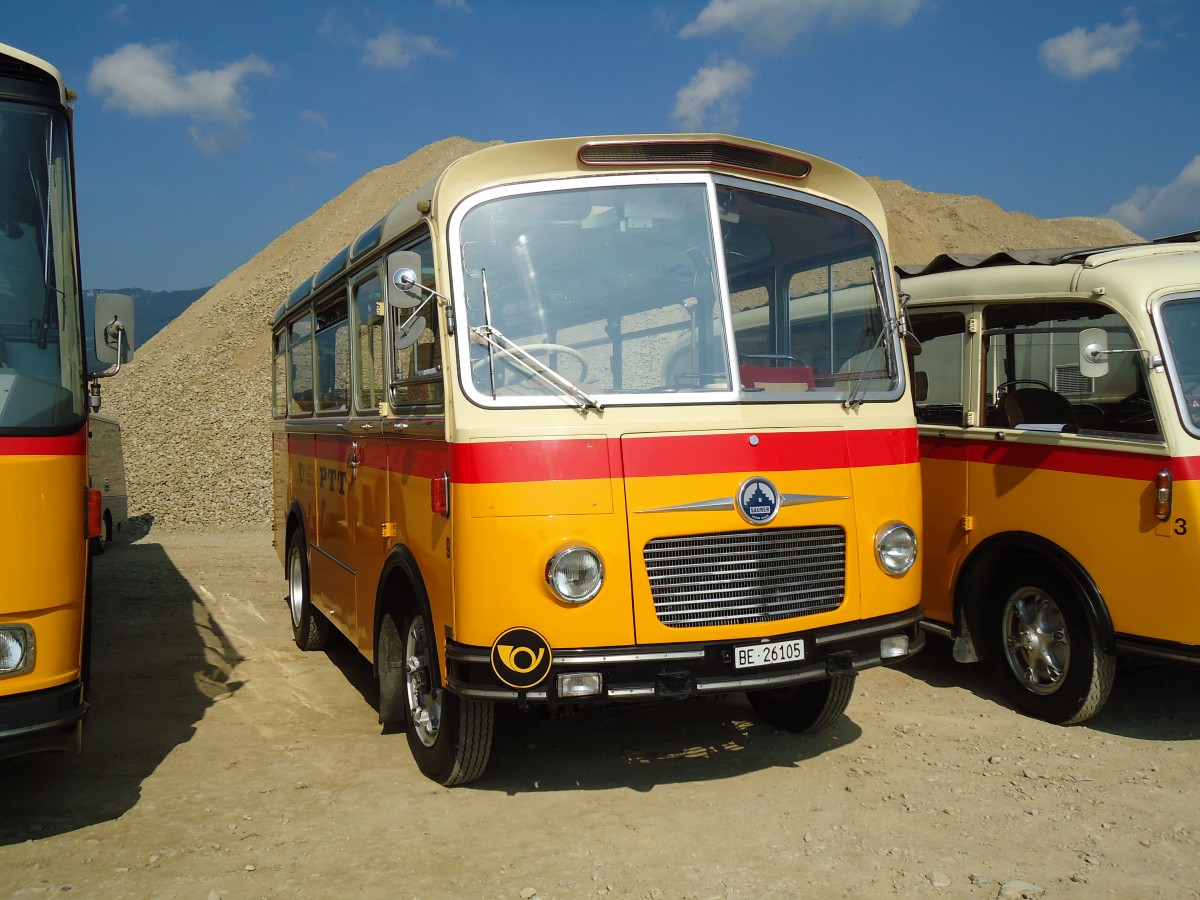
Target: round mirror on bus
(407, 293)
(408, 336)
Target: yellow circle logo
(521, 658)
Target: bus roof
(23, 74)
(952, 277)
(578, 157)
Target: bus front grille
(738, 577)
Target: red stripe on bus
(570, 459)
(1075, 460)
(74, 444)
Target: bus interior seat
(1038, 406)
(778, 378)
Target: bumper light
(575, 574)
(17, 649)
(895, 547)
(894, 646)
(580, 684)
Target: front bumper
(43, 720)
(660, 671)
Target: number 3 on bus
(602, 420)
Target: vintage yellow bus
(602, 420)
(1058, 396)
(49, 513)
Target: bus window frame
(420, 241)
(337, 307)
(295, 408)
(378, 324)
(1190, 424)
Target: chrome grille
(737, 577)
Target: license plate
(768, 654)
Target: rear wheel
(1049, 657)
(450, 736)
(310, 629)
(804, 707)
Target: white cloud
(458, 5)
(145, 81)
(772, 24)
(397, 49)
(392, 48)
(1080, 53)
(1162, 211)
(711, 96)
(312, 117)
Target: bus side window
(333, 357)
(279, 373)
(939, 367)
(368, 324)
(300, 364)
(417, 366)
(1033, 363)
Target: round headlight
(575, 574)
(896, 548)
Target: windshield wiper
(515, 354)
(858, 393)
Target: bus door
(725, 529)
(944, 381)
(335, 463)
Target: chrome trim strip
(332, 559)
(627, 657)
(937, 628)
(630, 692)
(1134, 648)
(727, 504)
(895, 625)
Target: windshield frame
(57, 394)
(1189, 417)
(732, 391)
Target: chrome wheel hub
(424, 703)
(1036, 641)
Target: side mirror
(1093, 353)
(404, 279)
(114, 328)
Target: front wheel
(310, 629)
(450, 736)
(804, 707)
(1049, 657)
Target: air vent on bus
(738, 577)
(692, 153)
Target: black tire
(1046, 650)
(310, 629)
(450, 736)
(804, 707)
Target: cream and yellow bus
(49, 513)
(1058, 396)
(602, 420)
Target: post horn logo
(521, 658)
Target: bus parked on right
(1058, 408)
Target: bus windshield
(1181, 320)
(683, 288)
(41, 377)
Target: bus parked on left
(46, 395)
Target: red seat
(784, 377)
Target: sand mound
(195, 404)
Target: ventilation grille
(740, 577)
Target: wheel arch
(974, 589)
(295, 522)
(400, 587)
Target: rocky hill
(195, 403)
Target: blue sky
(206, 128)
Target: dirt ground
(221, 762)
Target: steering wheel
(1136, 409)
(508, 358)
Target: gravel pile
(195, 404)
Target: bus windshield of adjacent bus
(41, 382)
(1181, 321)
(615, 292)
